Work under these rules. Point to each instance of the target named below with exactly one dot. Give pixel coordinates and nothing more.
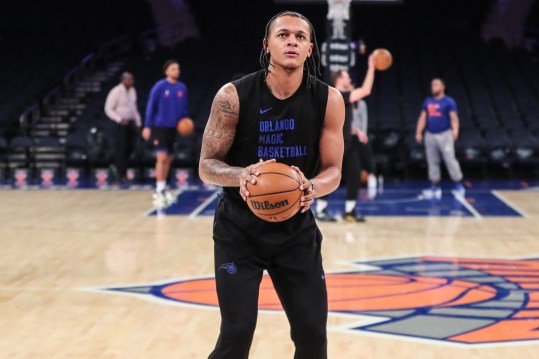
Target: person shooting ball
(280, 113)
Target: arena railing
(87, 64)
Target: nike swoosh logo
(262, 111)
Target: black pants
(244, 247)
(351, 170)
(125, 140)
(366, 158)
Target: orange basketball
(276, 195)
(185, 126)
(382, 59)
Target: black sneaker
(353, 217)
(324, 216)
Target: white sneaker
(171, 198)
(159, 199)
(433, 192)
(460, 191)
(372, 192)
(163, 198)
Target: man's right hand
(419, 137)
(146, 133)
(372, 62)
(249, 174)
(362, 136)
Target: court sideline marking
(204, 204)
(509, 204)
(467, 205)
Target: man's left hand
(362, 136)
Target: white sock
(160, 186)
(321, 205)
(371, 181)
(349, 205)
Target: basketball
(185, 126)
(382, 59)
(276, 195)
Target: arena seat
(48, 152)
(76, 155)
(3, 158)
(19, 152)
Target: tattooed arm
(218, 137)
(217, 140)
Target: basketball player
(361, 121)
(352, 137)
(303, 118)
(167, 104)
(440, 122)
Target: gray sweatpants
(441, 143)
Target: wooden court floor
(58, 247)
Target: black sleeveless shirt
(287, 130)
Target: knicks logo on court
(465, 301)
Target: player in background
(352, 137)
(438, 127)
(167, 104)
(366, 158)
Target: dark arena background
(91, 260)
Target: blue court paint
(399, 202)
(399, 199)
(396, 199)
(488, 204)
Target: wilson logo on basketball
(267, 205)
(463, 301)
(276, 195)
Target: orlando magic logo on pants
(229, 267)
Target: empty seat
(48, 153)
(19, 152)
(76, 155)
(3, 158)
